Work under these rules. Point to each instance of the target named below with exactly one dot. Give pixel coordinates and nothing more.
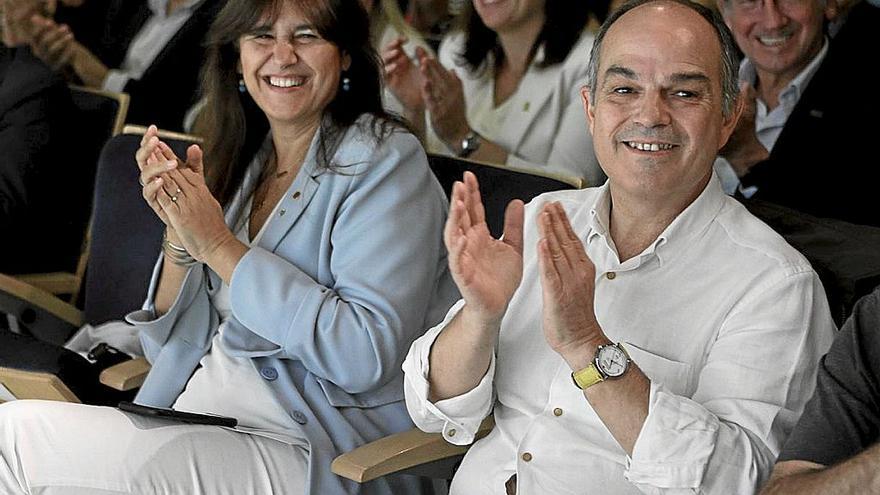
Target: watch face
(612, 360)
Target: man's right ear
(588, 106)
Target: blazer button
(300, 418)
(269, 373)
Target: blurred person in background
(505, 87)
(150, 49)
(44, 194)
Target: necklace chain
(271, 164)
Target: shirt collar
(693, 220)
(748, 73)
(600, 213)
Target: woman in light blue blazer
(296, 270)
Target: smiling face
(290, 71)
(507, 15)
(779, 36)
(656, 119)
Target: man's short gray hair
(729, 51)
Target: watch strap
(587, 377)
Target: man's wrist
(579, 355)
(480, 323)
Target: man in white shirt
(722, 321)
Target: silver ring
(174, 199)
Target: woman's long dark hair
(232, 124)
(564, 20)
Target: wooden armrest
(164, 134)
(54, 282)
(35, 385)
(40, 299)
(399, 452)
(126, 375)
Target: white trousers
(50, 448)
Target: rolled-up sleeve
(757, 377)
(457, 418)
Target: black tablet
(183, 417)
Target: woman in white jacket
(506, 87)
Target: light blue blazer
(350, 270)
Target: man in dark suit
(45, 194)
(164, 88)
(803, 144)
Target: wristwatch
(611, 361)
(470, 144)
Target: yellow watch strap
(586, 377)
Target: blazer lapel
(295, 199)
(292, 205)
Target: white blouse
(542, 125)
(232, 386)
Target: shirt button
(610, 275)
(527, 457)
(300, 418)
(557, 412)
(281, 212)
(269, 373)
(296, 195)
(451, 432)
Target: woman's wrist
(456, 140)
(171, 235)
(176, 253)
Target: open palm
(487, 270)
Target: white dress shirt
(768, 123)
(726, 320)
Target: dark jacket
(45, 192)
(824, 162)
(170, 85)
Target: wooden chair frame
(50, 310)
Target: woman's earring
(346, 84)
(241, 87)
